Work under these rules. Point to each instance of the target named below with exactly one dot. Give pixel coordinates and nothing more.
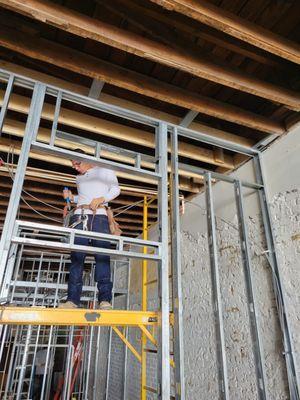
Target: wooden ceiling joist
(41, 208)
(45, 209)
(137, 221)
(178, 24)
(117, 101)
(58, 202)
(104, 128)
(17, 128)
(7, 145)
(34, 216)
(61, 179)
(83, 64)
(233, 25)
(88, 27)
(43, 194)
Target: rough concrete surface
(201, 370)
(201, 366)
(200, 363)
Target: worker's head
(81, 166)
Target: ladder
(75, 365)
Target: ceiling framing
(229, 69)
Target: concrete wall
(282, 166)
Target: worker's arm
(114, 189)
(68, 194)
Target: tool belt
(87, 207)
(83, 218)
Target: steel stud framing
(19, 234)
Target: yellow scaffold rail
(127, 343)
(77, 317)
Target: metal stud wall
(34, 258)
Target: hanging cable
(11, 174)
(28, 193)
(122, 209)
(126, 207)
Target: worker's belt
(84, 218)
(87, 207)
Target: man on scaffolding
(96, 186)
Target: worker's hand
(95, 203)
(68, 193)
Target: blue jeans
(102, 266)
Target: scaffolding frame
(46, 286)
(18, 233)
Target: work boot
(68, 304)
(105, 305)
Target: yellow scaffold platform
(76, 317)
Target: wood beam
(6, 145)
(175, 30)
(191, 27)
(43, 208)
(131, 220)
(52, 53)
(36, 217)
(43, 194)
(88, 27)
(29, 216)
(104, 128)
(161, 29)
(41, 189)
(117, 101)
(17, 128)
(59, 201)
(233, 25)
(61, 179)
(119, 219)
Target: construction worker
(96, 186)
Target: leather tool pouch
(114, 227)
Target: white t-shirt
(96, 182)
